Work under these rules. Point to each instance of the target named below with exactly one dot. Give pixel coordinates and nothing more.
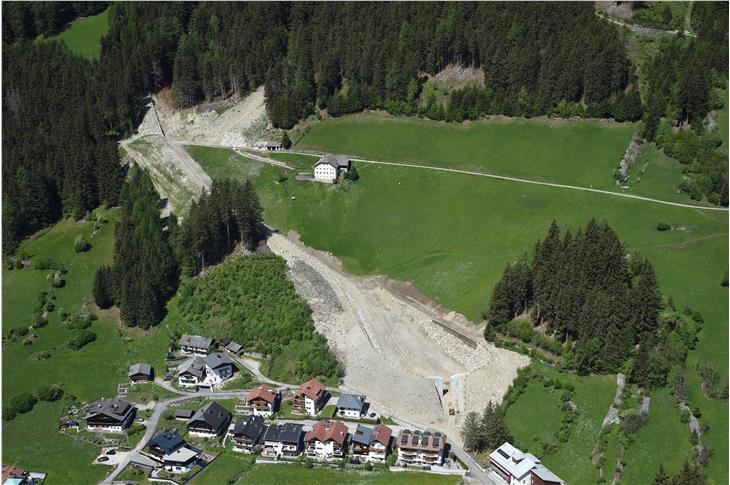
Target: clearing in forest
(83, 35)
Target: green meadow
(452, 234)
(32, 440)
(280, 474)
(83, 35)
(580, 153)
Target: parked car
(103, 459)
(111, 452)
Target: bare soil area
(231, 122)
(392, 350)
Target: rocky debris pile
(628, 159)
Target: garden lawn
(662, 440)
(279, 474)
(582, 153)
(452, 235)
(32, 440)
(83, 35)
(227, 468)
(535, 417)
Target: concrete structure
(371, 444)
(195, 344)
(110, 415)
(263, 401)
(269, 145)
(327, 441)
(329, 167)
(310, 398)
(421, 448)
(351, 406)
(513, 467)
(283, 440)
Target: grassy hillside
(452, 234)
(83, 35)
(584, 153)
(31, 440)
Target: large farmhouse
(513, 467)
(110, 415)
(329, 167)
(209, 421)
(310, 398)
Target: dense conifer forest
(62, 113)
(603, 303)
(150, 252)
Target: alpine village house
(112, 415)
(263, 401)
(327, 441)
(310, 398)
(209, 421)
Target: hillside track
(525, 181)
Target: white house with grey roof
(329, 167)
(511, 466)
(209, 372)
(351, 406)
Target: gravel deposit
(392, 351)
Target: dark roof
(194, 366)
(287, 432)
(213, 414)
(351, 401)
(233, 347)
(363, 435)
(116, 408)
(337, 161)
(184, 413)
(140, 368)
(217, 359)
(249, 426)
(167, 441)
(195, 341)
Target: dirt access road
(390, 346)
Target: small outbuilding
(141, 373)
(184, 414)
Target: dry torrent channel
(392, 351)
